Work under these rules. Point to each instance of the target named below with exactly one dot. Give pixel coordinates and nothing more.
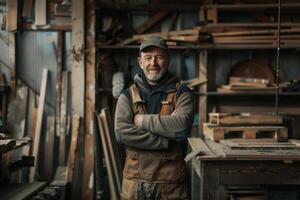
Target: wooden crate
(217, 133)
(244, 119)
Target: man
(153, 119)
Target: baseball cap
(156, 41)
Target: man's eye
(147, 58)
(160, 57)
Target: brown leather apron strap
(168, 106)
(138, 104)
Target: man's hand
(138, 119)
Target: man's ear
(139, 59)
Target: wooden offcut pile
(244, 126)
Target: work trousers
(137, 190)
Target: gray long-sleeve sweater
(156, 130)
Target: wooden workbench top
(265, 150)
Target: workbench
(221, 172)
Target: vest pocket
(131, 167)
(172, 168)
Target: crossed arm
(152, 131)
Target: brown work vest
(158, 166)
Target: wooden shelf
(104, 6)
(253, 93)
(205, 47)
(252, 7)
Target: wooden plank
(12, 15)
(112, 144)
(40, 13)
(258, 144)
(217, 133)
(49, 148)
(244, 119)
(27, 8)
(38, 128)
(233, 79)
(256, 32)
(73, 148)
(257, 37)
(63, 119)
(152, 21)
(251, 7)
(226, 153)
(295, 142)
(113, 187)
(166, 34)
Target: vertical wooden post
(78, 72)
(88, 173)
(78, 91)
(203, 87)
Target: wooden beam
(40, 12)
(12, 15)
(78, 72)
(78, 88)
(152, 21)
(73, 148)
(38, 128)
(90, 85)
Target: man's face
(154, 62)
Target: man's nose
(154, 61)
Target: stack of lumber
(246, 84)
(188, 36)
(244, 126)
(253, 33)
